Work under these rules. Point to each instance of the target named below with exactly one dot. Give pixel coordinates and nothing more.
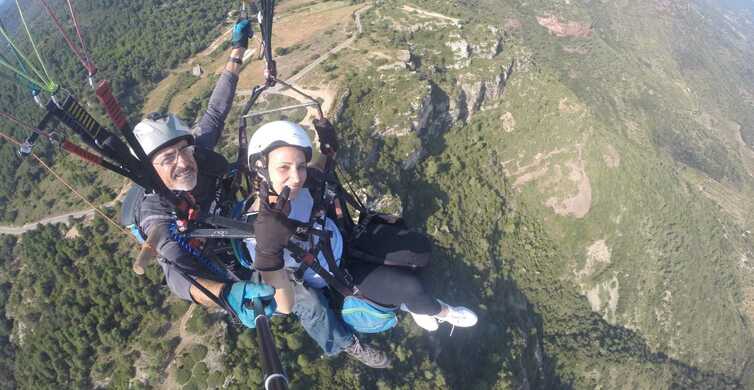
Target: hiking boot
(424, 321)
(367, 355)
(457, 315)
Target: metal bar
(274, 376)
(219, 233)
(298, 91)
(286, 108)
(225, 222)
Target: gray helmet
(160, 130)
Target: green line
(22, 71)
(48, 87)
(28, 63)
(33, 87)
(33, 45)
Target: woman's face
(287, 167)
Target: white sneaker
(457, 316)
(424, 321)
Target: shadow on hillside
(513, 338)
(507, 345)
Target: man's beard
(184, 180)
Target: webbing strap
(268, 13)
(325, 247)
(310, 259)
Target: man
(184, 161)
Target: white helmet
(276, 134)
(159, 130)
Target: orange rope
(90, 204)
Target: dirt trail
(213, 46)
(187, 339)
(359, 29)
(19, 230)
(431, 14)
(326, 94)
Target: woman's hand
(272, 229)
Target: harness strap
(217, 300)
(339, 273)
(310, 259)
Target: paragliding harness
(360, 313)
(110, 152)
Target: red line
(65, 36)
(91, 68)
(24, 125)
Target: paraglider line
(33, 45)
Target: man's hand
(241, 33)
(272, 229)
(328, 140)
(240, 296)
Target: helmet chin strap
(264, 173)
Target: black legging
(404, 252)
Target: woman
(279, 153)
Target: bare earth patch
(570, 108)
(509, 123)
(550, 180)
(748, 301)
(611, 157)
(539, 159)
(596, 254)
(576, 50)
(529, 176)
(603, 298)
(431, 14)
(578, 205)
(512, 24)
(72, 234)
(564, 29)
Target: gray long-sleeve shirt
(156, 214)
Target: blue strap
(184, 244)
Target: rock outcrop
(473, 94)
(490, 48)
(461, 51)
(432, 119)
(341, 104)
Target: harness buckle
(361, 227)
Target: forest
(423, 137)
(132, 52)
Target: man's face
(176, 166)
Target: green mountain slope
(621, 129)
(583, 167)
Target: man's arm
(211, 124)
(213, 286)
(154, 220)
